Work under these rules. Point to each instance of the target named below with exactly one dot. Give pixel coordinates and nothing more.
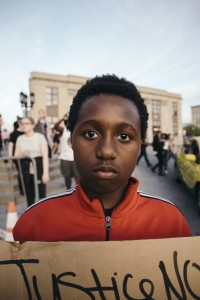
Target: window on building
(52, 120)
(174, 108)
(175, 118)
(51, 96)
(72, 93)
(156, 115)
(156, 107)
(196, 116)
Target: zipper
(108, 227)
(107, 214)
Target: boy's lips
(105, 172)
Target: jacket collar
(95, 208)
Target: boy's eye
(91, 134)
(124, 137)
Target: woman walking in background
(143, 153)
(158, 145)
(34, 145)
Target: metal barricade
(8, 166)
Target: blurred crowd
(164, 150)
(29, 147)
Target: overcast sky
(153, 43)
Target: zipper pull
(108, 223)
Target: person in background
(108, 120)
(156, 141)
(67, 165)
(17, 131)
(5, 138)
(56, 140)
(143, 153)
(33, 144)
(194, 149)
(172, 149)
(43, 127)
(158, 145)
(165, 139)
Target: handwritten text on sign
(146, 286)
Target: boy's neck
(108, 200)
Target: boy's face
(106, 141)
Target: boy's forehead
(108, 100)
(110, 107)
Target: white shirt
(66, 152)
(32, 144)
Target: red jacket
(71, 216)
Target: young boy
(107, 121)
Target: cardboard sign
(147, 269)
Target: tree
(192, 130)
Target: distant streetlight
(27, 103)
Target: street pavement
(150, 182)
(168, 188)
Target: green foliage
(192, 130)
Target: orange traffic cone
(11, 221)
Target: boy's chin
(102, 187)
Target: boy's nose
(106, 149)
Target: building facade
(195, 115)
(54, 94)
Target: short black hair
(113, 85)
